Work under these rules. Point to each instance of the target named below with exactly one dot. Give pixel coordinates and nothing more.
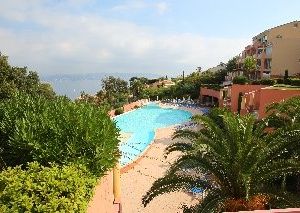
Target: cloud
(62, 42)
(162, 7)
(131, 5)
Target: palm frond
(276, 169)
(280, 141)
(211, 203)
(170, 183)
(186, 133)
(178, 146)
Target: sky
(133, 36)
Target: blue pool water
(142, 123)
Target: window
(296, 24)
(269, 50)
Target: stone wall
(130, 106)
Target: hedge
(57, 131)
(279, 81)
(295, 81)
(269, 82)
(45, 189)
(289, 81)
(264, 81)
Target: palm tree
(285, 116)
(233, 160)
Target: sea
(71, 85)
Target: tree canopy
(13, 79)
(231, 64)
(249, 65)
(137, 85)
(114, 92)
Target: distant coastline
(72, 85)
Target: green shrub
(119, 111)
(285, 86)
(240, 80)
(279, 81)
(287, 81)
(264, 81)
(213, 86)
(295, 81)
(45, 189)
(59, 131)
(256, 82)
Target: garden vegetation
(52, 150)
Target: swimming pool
(142, 123)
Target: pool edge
(137, 160)
(131, 165)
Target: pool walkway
(152, 165)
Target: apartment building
(275, 50)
